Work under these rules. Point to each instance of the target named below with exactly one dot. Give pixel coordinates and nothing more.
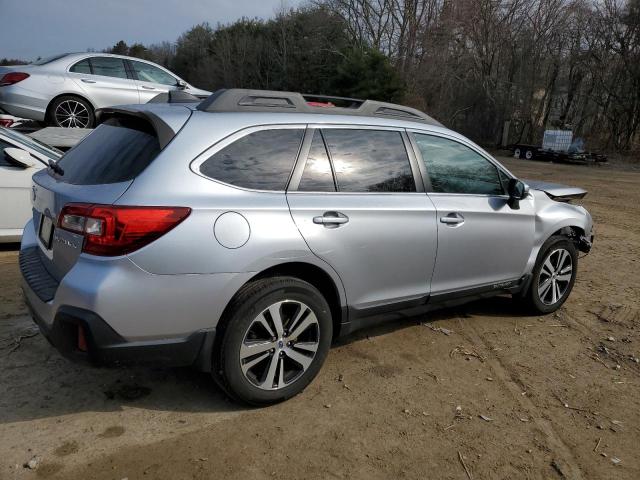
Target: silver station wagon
(242, 234)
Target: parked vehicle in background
(20, 157)
(65, 90)
(11, 121)
(557, 146)
(243, 234)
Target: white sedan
(20, 158)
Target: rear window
(117, 151)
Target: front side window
(455, 168)
(369, 160)
(149, 73)
(317, 175)
(108, 67)
(262, 160)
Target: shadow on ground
(39, 383)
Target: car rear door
(357, 198)
(105, 81)
(151, 80)
(482, 241)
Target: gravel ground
(501, 396)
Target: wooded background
(472, 64)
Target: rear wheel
(276, 336)
(516, 153)
(69, 111)
(528, 154)
(553, 275)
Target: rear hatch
(96, 171)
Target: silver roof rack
(243, 100)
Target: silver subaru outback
(242, 234)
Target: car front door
(482, 241)
(152, 80)
(357, 198)
(105, 81)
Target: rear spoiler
(164, 132)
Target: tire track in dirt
(564, 461)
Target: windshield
(53, 58)
(38, 146)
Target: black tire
(61, 107)
(532, 298)
(239, 319)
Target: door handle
(86, 80)
(452, 219)
(148, 88)
(331, 219)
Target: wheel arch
(47, 113)
(330, 288)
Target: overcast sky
(33, 28)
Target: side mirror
(181, 84)
(19, 157)
(517, 190)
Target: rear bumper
(23, 103)
(103, 346)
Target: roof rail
(243, 100)
(175, 96)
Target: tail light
(12, 77)
(5, 122)
(111, 230)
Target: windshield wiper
(56, 168)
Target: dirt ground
(501, 396)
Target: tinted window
(455, 168)
(81, 67)
(116, 151)
(149, 73)
(369, 161)
(261, 160)
(109, 67)
(317, 175)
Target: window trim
(304, 153)
(195, 164)
(425, 173)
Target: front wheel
(276, 336)
(553, 275)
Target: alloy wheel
(279, 345)
(555, 276)
(72, 114)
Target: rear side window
(369, 160)
(317, 175)
(81, 67)
(117, 151)
(108, 66)
(262, 160)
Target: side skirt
(358, 319)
